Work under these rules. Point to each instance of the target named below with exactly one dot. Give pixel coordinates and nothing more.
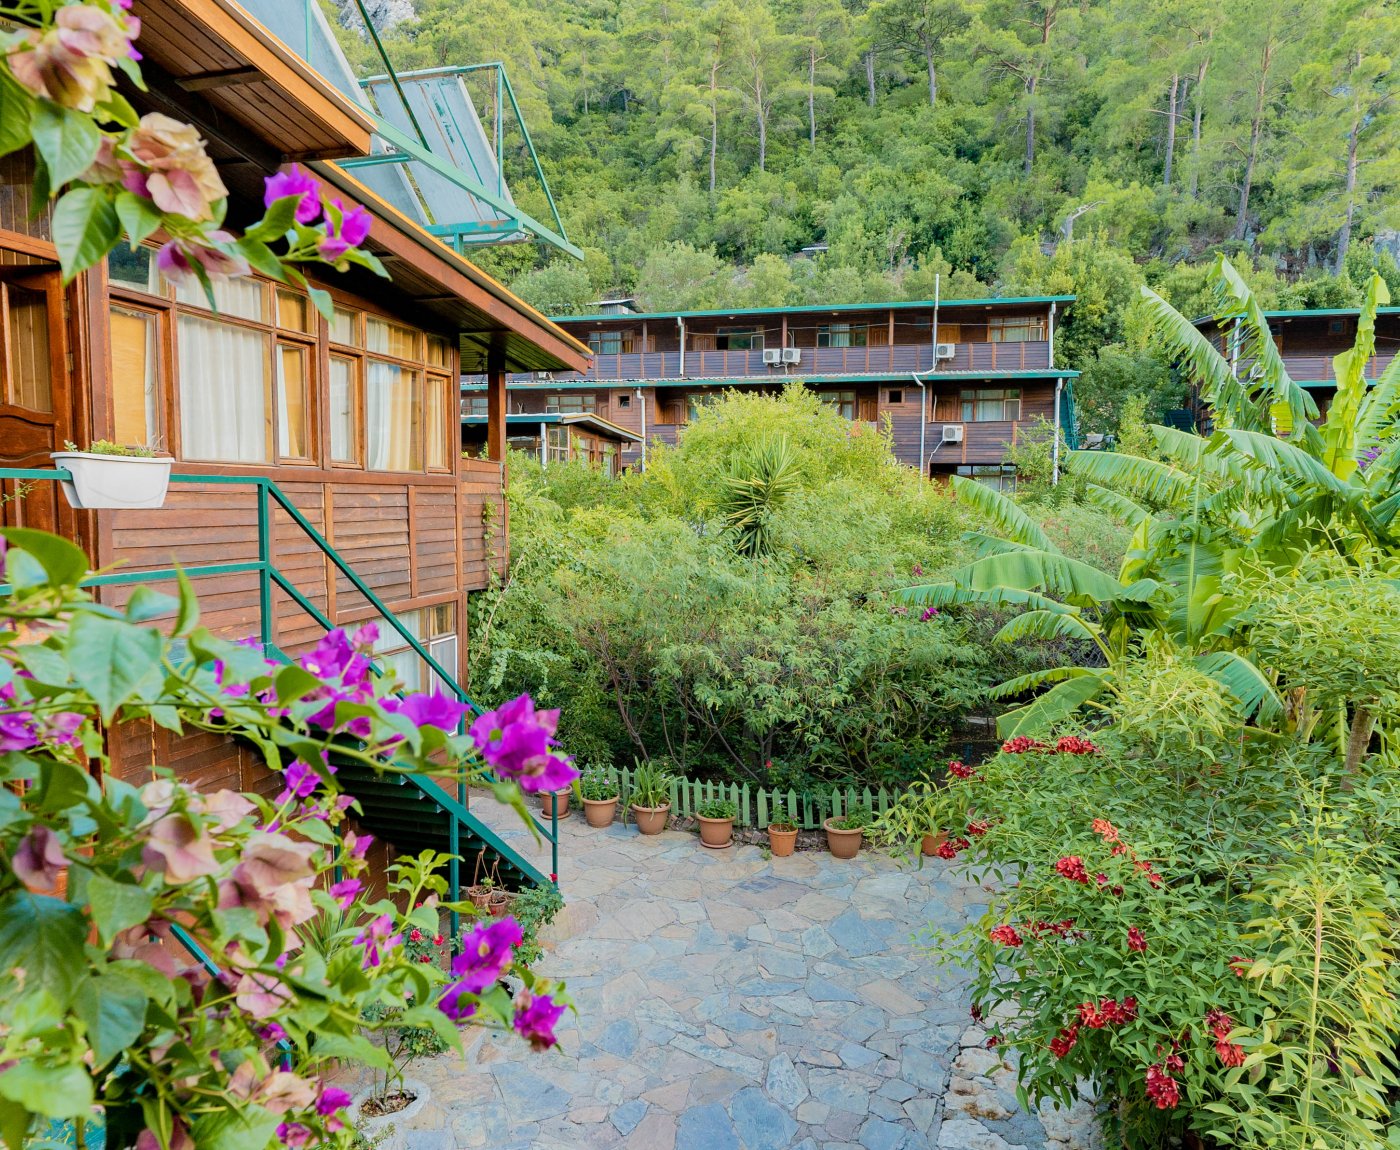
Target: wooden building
(551, 437)
(354, 420)
(1309, 340)
(958, 381)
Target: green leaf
(66, 139)
(15, 1121)
(44, 937)
(137, 215)
(294, 682)
(85, 228)
(1055, 706)
(1013, 522)
(1243, 680)
(61, 785)
(1046, 625)
(246, 1128)
(146, 604)
(112, 660)
(116, 905)
(116, 109)
(113, 1009)
(65, 564)
(56, 1091)
(353, 1049)
(261, 258)
(322, 301)
(277, 221)
(1043, 571)
(188, 615)
(14, 115)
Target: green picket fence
(759, 806)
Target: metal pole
(1050, 337)
(1055, 457)
(680, 323)
(544, 447)
(642, 399)
(265, 570)
(923, 425)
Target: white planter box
(102, 481)
(384, 1131)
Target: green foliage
(716, 809)
(599, 784)
(855, 819)
(759, 482)
(651, 784)
(107, 447)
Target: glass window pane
(133, 269)
(293, 415)
(444, 653)
(244, 297)
(345, 411)
(391, 339)
(30, 384)
(135, 418)
(437, 423)
(393, 417)
(444, 620)
(345, 327)
(437, 351)
(293, 311)
(223, 392)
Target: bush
(717, 809)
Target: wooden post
(496, 405)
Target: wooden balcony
(1318, 368)
(889, 360)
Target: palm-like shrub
(760, 480)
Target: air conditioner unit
(946, 350)
(772, 355)
(952, 433)
(544, 375)
(792, 355)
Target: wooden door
(36, 408)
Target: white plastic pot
(103, 481)
(386, 1131)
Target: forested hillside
(696, 148)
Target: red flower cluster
(993, 1042)
(949, 848)
(1072, 868)
(1102, 880)
(1240, 965)
(1059, 929)
(1162, 1088)
(980, 827)
(1108, 1012)
(960, 770)
(1135, 939)
(1152, 876)
(1106, 829)
(1074, 745)
(1220, 1025)
(1006, 935)
(1021, 744)
(1064, 1042)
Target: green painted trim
(762, 381)
(810, 309)
(1306, 313)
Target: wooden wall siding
(482, 483)
(304, 565)
(208, 761)
(16, 201)
(370, 528)
(436, 536)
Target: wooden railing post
(496, 405)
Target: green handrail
(269, 574)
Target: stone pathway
(729, 1002)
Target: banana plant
(1267, 485)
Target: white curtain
(342, 411)
(223, 392)
(244, 297)
(390, 417)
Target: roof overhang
(585, 420)
(1307, 313)
(215, 49)
(495, 327)
(821, 309)
(750, 381)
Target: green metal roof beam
(526, 222)
(811, 309)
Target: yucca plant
(760, 480)
(1266, 487)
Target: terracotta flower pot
(715, 833)
(500, 902)
(651, 820)
(843, 844)
(559, 798)
(600, 812)
(933, 842)
(782, 843)
(480, 896)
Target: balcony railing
(1312, 368)
(896, 359)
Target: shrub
(598, 784)
(717, 809)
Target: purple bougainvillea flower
(299, 782)
(39, 860)
(332, 1098)
(346, 891)
(352, 232)
(175, 846)
(518, 741)
(294, 182)
(377, 938)
(176, 260)
(294, 1134)
(535, 1018)
(435, 710)
(486, 952)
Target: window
(135, 391)
(556, 444)
(391, 339)
(843, 401)
(345, 409)
(895, 396)
(223, 391)
(1336, 327)
(437, 407)
(1015, 328)
(576, 403)
(293, 411)
(998, 476)
(28, 383)
(610, 342)
(133, 269)
(393, 417)
(294, 312)
(624, 402)
(991, 403)
(439, 353)
(345, 327)
(739, 339)
(842, 335)
(476, 405)
(436, 629)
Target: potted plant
(782, 834)
(600, 792)
(844, 834)
(111, 475)
(915, 817)
(651, 797)
(483, 887)
(716, 819)
(555, 803)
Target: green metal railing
(269, 496)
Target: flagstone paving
(731, 1002)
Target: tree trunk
(1256, 133)
(762, 136)
(1030, 123)
(1196, 127)
(870, 77)
(714, 121)
(812, 95)
(1171, 133)
(1363, 723)
(1344, 236)
(932, 76)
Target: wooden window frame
(158, 436)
